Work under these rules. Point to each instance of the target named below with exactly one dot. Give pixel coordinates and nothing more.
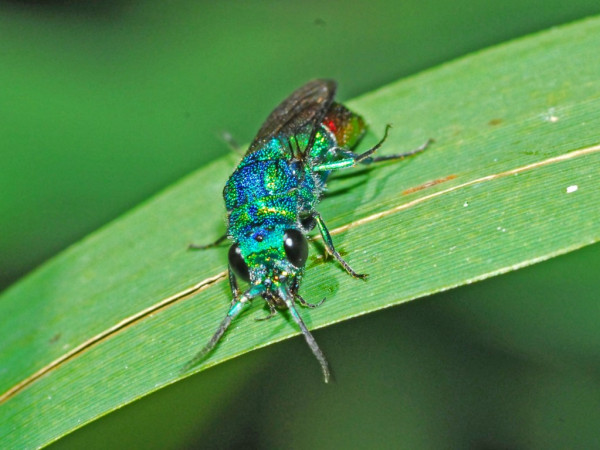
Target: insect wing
(305, 108)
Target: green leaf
(511, 180)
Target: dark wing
(304, 109)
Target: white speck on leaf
(550, 116)
(572, 188)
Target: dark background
(103, 104)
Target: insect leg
(212, 244)
(368, 153)
(307, 304)
(272, 312)
(347, 158)
(331, 249)
(271, 302)
(294, 291)
(399, 156)
(232, 143)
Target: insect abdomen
(347, 127)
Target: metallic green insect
(271, 199)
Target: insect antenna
(310, 340)
(235, 309)
(211, 344)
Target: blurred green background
(103, 104)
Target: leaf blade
(482, 221)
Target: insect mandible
(271, 200)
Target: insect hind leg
(399, 156)
(343, 158)
(360, 158)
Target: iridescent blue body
(271, 192)
(272, 195)
(268, 191)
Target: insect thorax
(273, 186)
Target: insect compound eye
(237, 263)
(296, 247)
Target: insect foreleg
(272, 312)
(232, 143)
(269, 298)
(212, 244)
(307, 304)
(331, 249)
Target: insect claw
(350, 270)
(270, 315)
